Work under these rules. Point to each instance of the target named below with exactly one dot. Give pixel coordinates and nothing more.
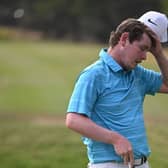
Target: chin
(133, 66)
(129, 68)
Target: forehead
(145, 41)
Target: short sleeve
(84, 94)
(151, 80)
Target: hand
(124, 148)
(157, 49)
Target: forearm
(88, 128)
(162, 62)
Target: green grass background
(36, 81)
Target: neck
(115, 53)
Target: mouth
(138, 62)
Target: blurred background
(43, 47)
(73, 19)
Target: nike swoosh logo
(150, 21)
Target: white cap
(158, 22)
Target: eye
(144, 48)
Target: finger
(131, 158)
(125, 159)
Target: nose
(143, 55)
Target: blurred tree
(7, 9)
(165, 6)
(73, 19)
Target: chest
(121, 88)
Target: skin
(162, 61)
(128, 55)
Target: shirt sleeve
(84, 94)
(151, 80)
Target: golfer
(106, 106)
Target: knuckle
(124, 153)
(130, 149)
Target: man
(106, 106)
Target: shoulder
(141, 71)
(96, 71)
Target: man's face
(135, 52)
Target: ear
(124, 38)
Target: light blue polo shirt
(113, 98)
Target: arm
(162, 62)
(88, 128)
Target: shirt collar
(109, 60)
